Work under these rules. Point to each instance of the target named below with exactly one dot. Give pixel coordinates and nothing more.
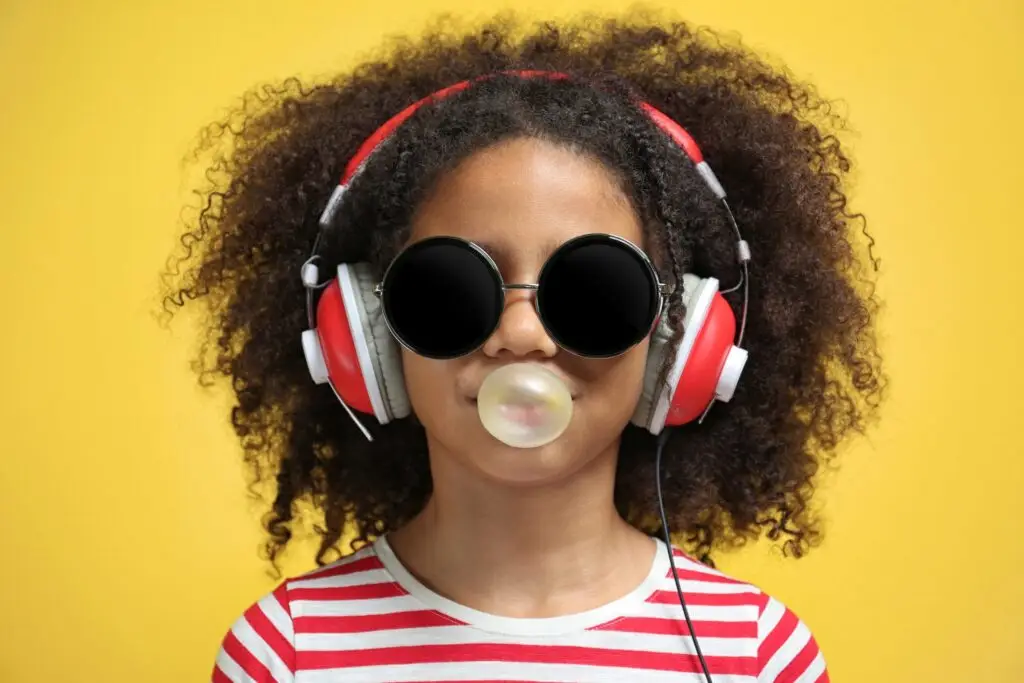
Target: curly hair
(814, 375)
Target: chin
(462, 440)
(530, 467)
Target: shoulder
(787, 651)
(260, 645)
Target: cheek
(430, 386)
(616, 383)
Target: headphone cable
(662, 440)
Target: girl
(577, 288)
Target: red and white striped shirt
(366, 619)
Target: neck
(533, 551)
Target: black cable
(662, 440)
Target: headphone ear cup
(647, 415)
(706, 364)
(378, 353)
(660, 342)
(362, 359)
(338, 350)
(703, 372)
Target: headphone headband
(674, 130)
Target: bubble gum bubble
(524, 405)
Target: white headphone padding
(379, 357)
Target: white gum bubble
(524, 405)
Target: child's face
(520, 200)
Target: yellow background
(128, 544)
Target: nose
(520, 332)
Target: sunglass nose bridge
(378, 289)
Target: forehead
(521, 199)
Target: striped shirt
(366, 619)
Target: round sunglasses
(597, 296)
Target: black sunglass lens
(598, 296)
(442, 297)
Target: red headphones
(348, 344)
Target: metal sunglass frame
(664, 290)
